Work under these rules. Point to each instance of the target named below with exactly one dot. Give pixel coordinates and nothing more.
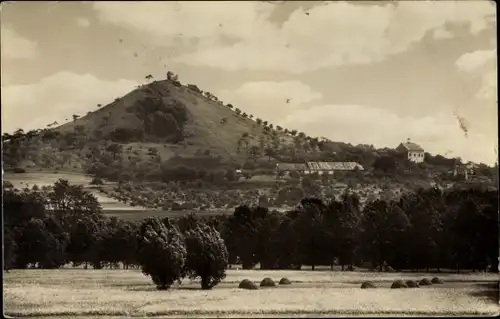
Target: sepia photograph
(249, 159)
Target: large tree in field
(424, 210)
(84, 243)
(384, 226)
(72, 203)
(20, 207)
(207, 255)
(243, 235)
(9, 248)
(313, 237)
(117, 242)
(36, 245)
(346, 228)
(161, 251)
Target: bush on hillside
(19, 170)
(437, 281)
(126, 134)
(412, 284)
(195, 88)
(367, 285)
(425, 282)
(247, 284)
(285, 281)
(267, 282)
(397, 284)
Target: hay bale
(267, 282)
(247, 284)
(437, 281)
(425, 282)
(285, 281)
(368, 285)
(412, 284)
(397, 284)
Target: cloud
(484, 64)
(442, 33)
(269, 99)
(359, 124)
(56, 98)
(14, 46)
(83, 22)
(473, 61)
(332, 34)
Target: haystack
(398, 284)
(285, 281)
(437, 281)
(267, 282)
(412, 284)
(247, 284)
(425, 282)
(368, 285)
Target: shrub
(437, 281)
(19, 170)
(425, 282)
(247, 284)
(285, 281)
(267, 282)
(367, 284)
(412, 284)
(398, 284)
(96, 181)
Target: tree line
(429, 229)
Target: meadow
(41, 179)
(115, 293)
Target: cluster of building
(414, 152)
(322, 168)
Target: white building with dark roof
(414, 152)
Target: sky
(358, 72)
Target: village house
(413, 151)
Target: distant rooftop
(410, 146)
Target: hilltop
(181, 120)
(154, 122)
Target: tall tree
(161, 252)
(207, 255)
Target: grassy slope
(204, 125)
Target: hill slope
(140, 131)
(186, 121)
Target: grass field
(41, 179)
(115, 293)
